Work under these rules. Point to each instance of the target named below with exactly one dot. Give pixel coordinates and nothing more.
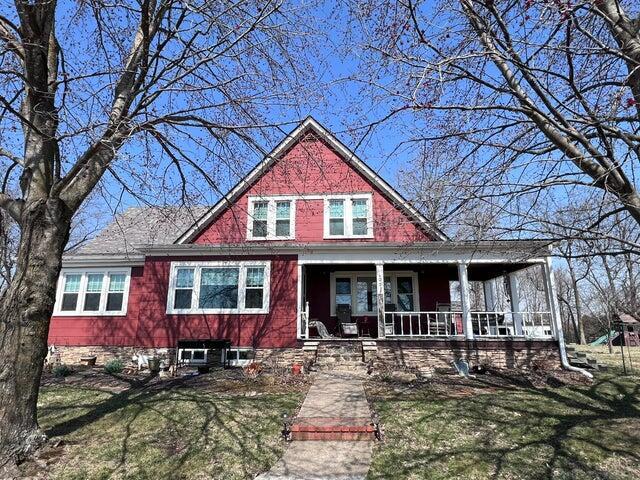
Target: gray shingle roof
(141, 225)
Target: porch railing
(485, 324)
(423, 324)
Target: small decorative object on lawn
(114, 366)
(286, 427)
(463, 368)
(296, 369)
(154, 364)
(252, 370)
(88, 360)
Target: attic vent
(309, 137)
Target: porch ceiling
(476, 271)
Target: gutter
(557, 323)
(564, 360)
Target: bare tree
(119, 93)
(538, 101)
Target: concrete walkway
(332, 395)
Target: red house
(311, 248)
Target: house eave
(103, 260)
(525, 249)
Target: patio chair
(320, 327)
(347, 325)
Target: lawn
(205, 427)
(489, 428)
(614, 359)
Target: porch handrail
(534, 324)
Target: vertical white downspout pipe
(552, 300)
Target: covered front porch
(415, 294)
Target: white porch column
(380, 297)
(552, 300)
(490, 297)
(463, 278)
(300, 328)
(514, 294)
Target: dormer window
(271, 219)
(348, 216)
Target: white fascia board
(369, 258)
(102, 260)
(356, 254)
(348, 155)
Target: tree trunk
(582, 339)
(25, 310)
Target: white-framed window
(219, 287)
(271, 218)
(92, 292)
(359, 290)
(239, 357)
(348, 216)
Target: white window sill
(269, 239)
(329, 237)
(219, 311)
(89, 314)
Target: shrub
(62, 370)
(114, 366)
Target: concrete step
(331, 429)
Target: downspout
(549, 282)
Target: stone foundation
(71, 355)
(270, 357)
(425, 356)
(431, 356)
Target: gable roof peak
(310, 123)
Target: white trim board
(82, 291)
(310, 124)
(195, 288)
(353, 276)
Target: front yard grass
(614, 359)
(200, 428)
(483, 428)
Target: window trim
(242, 285)
(238, 362)
(348, 215)
(271, 217)
(85, 272)
(353, 275)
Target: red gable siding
(147, 324)
(310, 167)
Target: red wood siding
(147, 324)
(312, 168)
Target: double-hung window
(359, 291)
(92, 292)
(219, 287)
(348, 216)
(271, 219)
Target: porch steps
(583, 360)
(340, 355)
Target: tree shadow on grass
(516, 431)
(167, 427)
